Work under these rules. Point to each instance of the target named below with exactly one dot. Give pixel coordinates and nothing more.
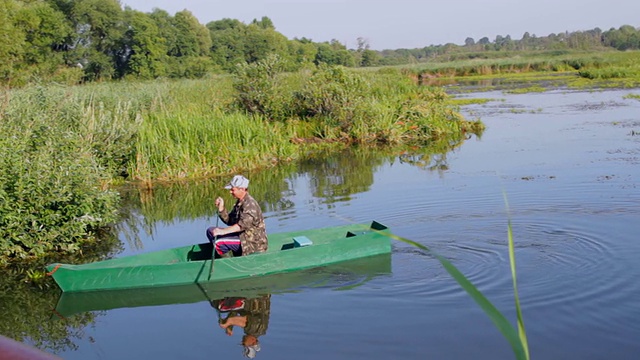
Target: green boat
(291, 251)
(341, 276)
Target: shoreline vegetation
(196, 101)
(216, 99)
(74, 145)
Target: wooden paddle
(213, 246)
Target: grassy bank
(578, 69)
(70, 145)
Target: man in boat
(246, 231)
(250, 314)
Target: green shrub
(335, 94)
(260, 88)
(50, 193)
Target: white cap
(238, 181)
(250, 351)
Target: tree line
(86, 40)
(625, 37)
(71, 41)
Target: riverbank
(73, 145)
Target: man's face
(249, 340)
(237, 193)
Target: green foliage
(192, 38)
(624, 38)
(347, 106)
(303, 52)
(11, 41)
(70, 144)
(228, 43)
(98, 25)
(51, 171)
(27, 296)
(334, 53)
(194, 132)
(45, 31)
(31, 38)
(235, 43)
(517, 339)
(260, 89)
(143, 51)
(334, 94)
(610, 73)
(43, 39)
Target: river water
(567, 161)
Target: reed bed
(523, 62)
(203, 143)
(71, 145)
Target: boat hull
(343, 275)
(193, 264)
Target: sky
(397, 24)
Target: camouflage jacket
(258, 311)
(248, 215)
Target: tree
(365, 56)
(192, 38)
(224, 24)
(45, 31)
(11, 41)
(626, 37)
(143, 51)
(469, 41)
(98, 29)
(32, 37)
(334, 53)
(303, 51)
(264, 23)
(228, 46)
(369, 58)
(261, 42)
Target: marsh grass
(469, 101)
(604, 69)
(526, 90)
(202, 143)
(261, 117)
(70, 145)
(521, 62)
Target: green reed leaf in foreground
(517, 344)
(512, 260)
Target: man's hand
(220, 204)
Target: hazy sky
(394, 24)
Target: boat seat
(300, 241)
(351, 234)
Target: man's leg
(224, 244)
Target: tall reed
(516, 338)
(199, 143)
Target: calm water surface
(568, 163)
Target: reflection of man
(250, 314)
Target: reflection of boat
(193, 264)
(337, 276)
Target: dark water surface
(569, 163)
